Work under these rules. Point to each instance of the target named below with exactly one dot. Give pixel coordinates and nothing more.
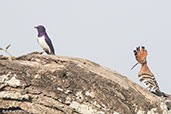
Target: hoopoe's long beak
(134, 66)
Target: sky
(103, 31)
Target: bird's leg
(42, 52)
(148, 88)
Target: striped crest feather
(140, 54)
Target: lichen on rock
(38, 84)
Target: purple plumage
(44, 40)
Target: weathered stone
(49, 84)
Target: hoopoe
(145, 75)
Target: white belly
(43, 44)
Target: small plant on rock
(6, 50)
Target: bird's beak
(35, 27)
(134, 66)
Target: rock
(49, 84)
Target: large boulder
(49, 84)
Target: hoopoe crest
(145, 75)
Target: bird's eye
(143, 61)
(40, 30)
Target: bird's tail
(160, 94)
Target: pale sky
(103, 31)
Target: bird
(145, 75)
(44, 40)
